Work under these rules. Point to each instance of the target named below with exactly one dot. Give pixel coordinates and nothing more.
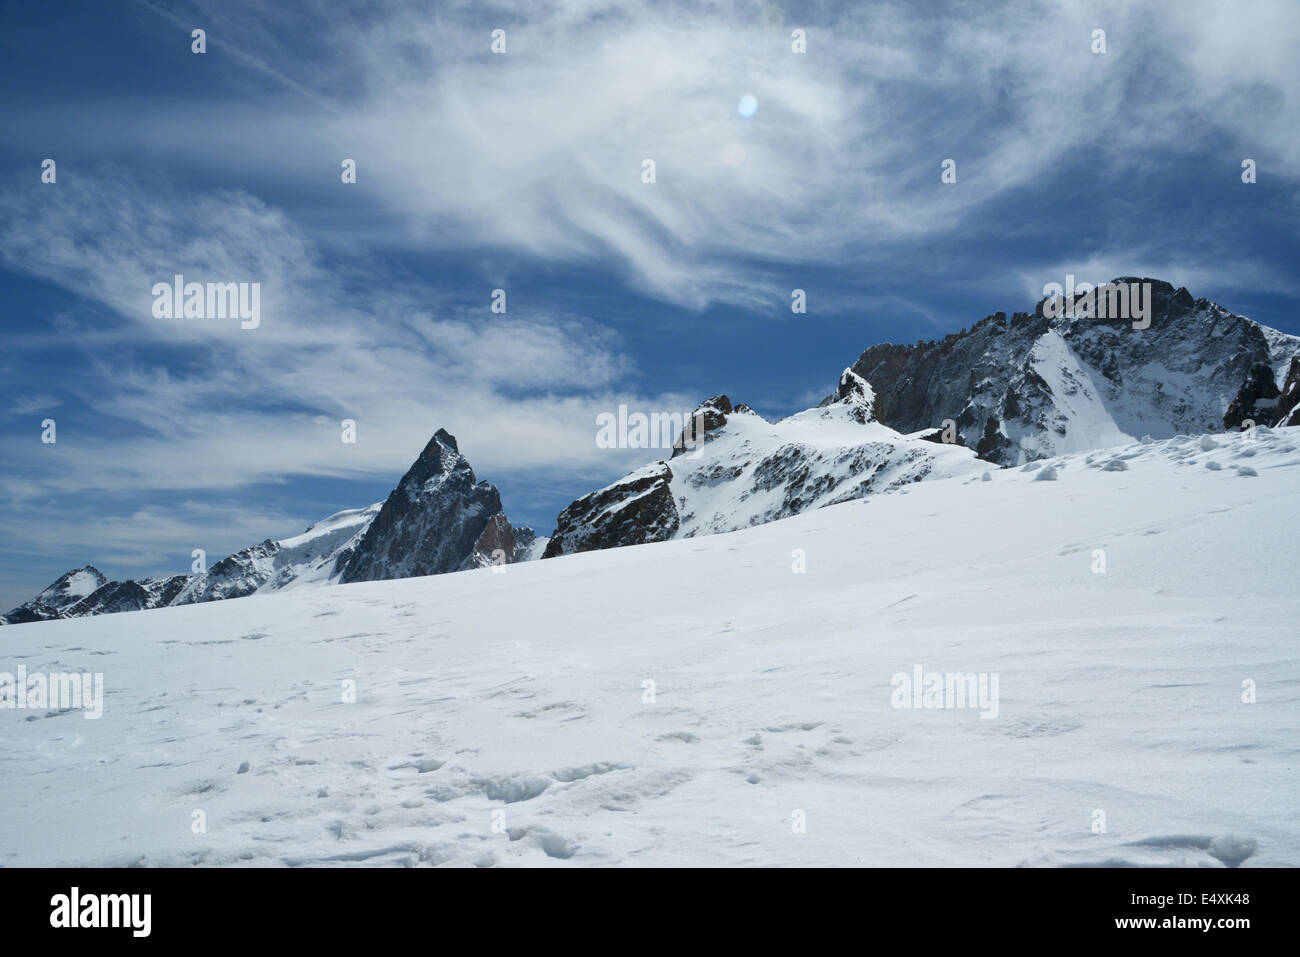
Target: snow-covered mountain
(710, 702)
(438, 519)
(1032, 387)
(312, 556)
(65, 592)
(1011, 391)
(743, 470)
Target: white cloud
(32, 404)
(231, 407)
(539, 150)
(146, 538)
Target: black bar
(948, 907)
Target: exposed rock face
(640, 507)
(748, 471)
(129, 596)
(710, 415)
(632, 511)
(496, 544)
(66, 590)
(1256, 400)
(438, 519)
(1287, 411)
(235, 576)
(1034, 387)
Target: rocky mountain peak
(63, 593)
(1167, 301)
(709, 415)
(440, 457)
(856, 393)
(1034, 387)
(438, 519)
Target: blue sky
(522, 171)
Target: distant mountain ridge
(1003, 392)
(438, 519)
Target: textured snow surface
(517, 697)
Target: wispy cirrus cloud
(31, 404)
(151, 537)
(229, 406)
(540, 149)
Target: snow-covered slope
(1033, 387)
(746, 471)
(271, 566)
(699, 701)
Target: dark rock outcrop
(527, 544)
(439, 519)
(1256, 400)
(708, 417)
(748, 471)
(632, 511)
(235, 576)
(1287, 411)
